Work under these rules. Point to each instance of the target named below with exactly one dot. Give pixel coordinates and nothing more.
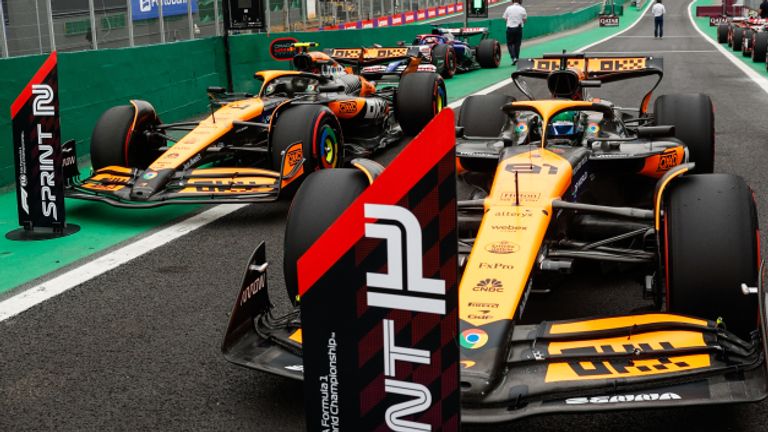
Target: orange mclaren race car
(252, 147)
(554, 185)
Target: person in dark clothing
(764, 9)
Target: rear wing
(368, 56)
(465, 31)
(591, 71)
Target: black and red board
(379, 300)
(38, 157)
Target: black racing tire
(760, 47)
(710, 249)
(738, 35)
(489, 53)
(320, 200)
(481, 115)
(319, 131)
(722, 33)
(420, 96)
(693, 117)
(444, 58)
(116, 140)
(745, 47)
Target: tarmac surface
(532, 7)
(138, 347)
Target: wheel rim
(497, 54)
(328, 147)
(440, 99)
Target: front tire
(693, 117)
(710, 225)
(489, 53)
(319, 131)
(420, 97)
(738, 35)
(118, 137)
(722, 33)
(318, 203)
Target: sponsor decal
(348, 107)
(639, 397)
(295, 368)
(149, 9)
(293, 157)
(489, 285)
(593, 128)
(667, 160)
(192, 162)
(281, 49)
(483, 305)
(149, 175)
(502, 247)
(524, 196)
(473, 339)
(514, 213)
(496, 266)
(715, 21)
(509, 228)
(254, 287)
(466, 364)
(173, 155)
(521, 128)
(608, 21)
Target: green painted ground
(703, 24)
(104, 226)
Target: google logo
(473, 339)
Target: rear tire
(693, 117)
(444, 59)
(722, 33)
(481, 115)
(738, 34)
(116, 140)
(760, 48)
(710, 226)
(489, 53)
(420, 96)
(318, 203)
(319, 131)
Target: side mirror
(330, 88)
(655, 131)
(591, 83)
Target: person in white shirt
(515, 15)
(658, 12)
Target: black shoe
(514, 61)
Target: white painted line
(654, 52)
(78, 275)
(639, 18)
(51, 288)
(653, 37)
(760, 80)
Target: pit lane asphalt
(138, 347)
(535, 7)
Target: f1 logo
(145, 5)
(420, 398)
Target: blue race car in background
(450, 51)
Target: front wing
(635, 361)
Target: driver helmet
(563, 124)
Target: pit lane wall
(250, 52)
(174, 76)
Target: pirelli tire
(319, 131)
(693, 117)
(444, 59)
(760, 47)
(420, 96)
(489, 53)
(722, 33)
(710, 231)
(322, 198)
(738, 35)
(119, 139)
(747, 43)
(481, 115)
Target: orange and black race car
(253, 147)
(554, 185)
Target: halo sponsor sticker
(473, 339)
(521, 128)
